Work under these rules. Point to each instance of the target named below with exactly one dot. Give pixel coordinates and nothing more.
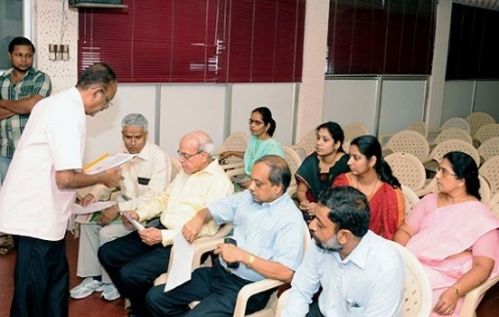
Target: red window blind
(196, 40)
(380, 36)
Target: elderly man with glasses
(137, 259)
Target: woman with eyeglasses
(371, 175)
(320, 168)
(261, 143)
(453, 234)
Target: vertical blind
(196, 40)
(380, 36)
(473, 43)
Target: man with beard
(268, 231)
(361, 274)
(21, 87)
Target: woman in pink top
(453, 234)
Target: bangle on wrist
(456, 291)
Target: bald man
(137, 259)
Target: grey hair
(205, 143)
(136, 119)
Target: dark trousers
(41, 278)
(216, 288)
(313, 310)
(133, 266)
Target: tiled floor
(93, 306)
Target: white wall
(402, 103)
(462, 97)
(350, 100)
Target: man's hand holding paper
(151, 236)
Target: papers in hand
(106, 161)
(98, 206)
(134, 222)
(180, 270)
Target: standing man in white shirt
(40, 186)
(361, 273)
(143, 178)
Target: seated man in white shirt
(143, 177)
(361, 273)
(137, 259)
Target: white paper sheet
(181, 268)
(108, 162)
(98, 206)
(134, 222)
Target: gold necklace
(372, 189)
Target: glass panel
(11, 25)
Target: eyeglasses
(186, 156)
(255, 122)
(445, 172)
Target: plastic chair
(417, 290)
(484, 191)
(175, 167)
(202, 246)
(477, 120)
(489, 148)
(493, 204)
(294, 161)
(490, 171)
(453, 133)
(487, 132)
(453, 145)
(456, 123)
(473, 297)
(411, 199)
(409, 142)
(261, 286)
(307, 143)
(408, 169)
(353, 130)
(420, 127)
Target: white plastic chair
(490, 171)
(420, 127)
(306, 143)
(457, 123)
(410, 142)
(453, 133)
(411, 199)
(477, 120)
(489, 148)
(487, 132)
(408, 169)
(354, 129)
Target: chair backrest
(493, 204)
(354, 129)
(453, 133)
(237, 141)
(294, 162)
(489, 148)
(454, 145)
(457, 123)
(175, 167)
(477, 120)
(417, 290)
(490, 171)
(410, 142)
(420, 127)
(307, 142)
(411, 199)
(408, 169)
(487, 132)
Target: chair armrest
(281, 303)
(201, 248)
(232, 165)
(235, 171)
(251, 289)
(473, 297)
